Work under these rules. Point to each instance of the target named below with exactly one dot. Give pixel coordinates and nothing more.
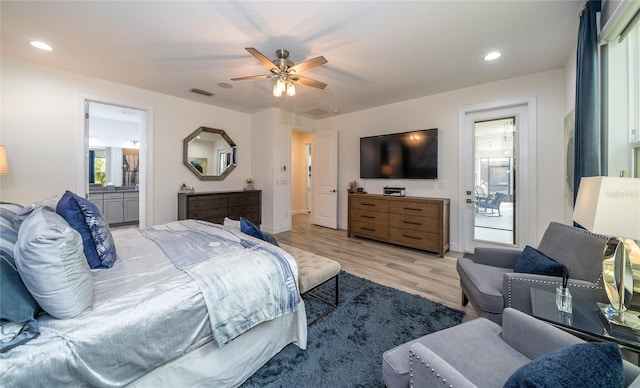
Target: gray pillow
(8, 232)
(50, 259)
(47, 203)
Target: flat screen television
(406, 155)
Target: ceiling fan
(286, 72)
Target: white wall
(42, 129)
(441, 111)
(271, 164)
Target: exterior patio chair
(493, 203)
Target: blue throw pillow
(268, 237)
(17, 309)
(535, 262)
(584, 365)
(84, 217)
(248, 227)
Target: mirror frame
(185, 153)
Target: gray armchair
(478, 353)
(490, 283)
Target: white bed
(148, 327)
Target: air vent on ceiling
(317, 112)
(202, 92)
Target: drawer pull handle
(365, 216)
(369, 229)
(413, 208)
(413, 237)
(413, 223)
(368, 204)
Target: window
(621, 34)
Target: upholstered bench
(314, 271)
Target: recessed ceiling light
(41, 45)
(492, 55)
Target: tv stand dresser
(415, 222)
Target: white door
(498, 175)
(325, 178)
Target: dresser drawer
(371, 204)
(415, 239)
(364, 229)
(207, 202)
(250, 212)
(244, 199)
(207, 214)
(423, 224)
(421, 209)
(369, 216)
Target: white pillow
(50, 258)
(229, 222)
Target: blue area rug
(344, 349)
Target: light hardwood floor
(410, 270)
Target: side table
(586, 320)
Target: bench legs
(332, 304)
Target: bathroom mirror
(209, 153)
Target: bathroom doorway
(115, 170)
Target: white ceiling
(378, 52)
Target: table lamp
(4, 166)
(611, 206)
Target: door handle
(333, 191)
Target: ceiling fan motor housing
(282, 61)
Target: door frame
(526, 186)
(146, 154)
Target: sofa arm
(427, 369)
(533, 337)
(496, 257)
(516, 289)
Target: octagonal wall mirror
(209, 153)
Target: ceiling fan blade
(309, 82)
(308, 64)
(265, 61)
(251, 77)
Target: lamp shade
(609, 206)
(4, 166)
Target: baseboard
(300, 211)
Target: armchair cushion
(582, 365)
(483, 284)
(535, 262)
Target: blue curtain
(92, 166)
(587, 125)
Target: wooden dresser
(215, 206)
(415, 222)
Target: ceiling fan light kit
(285, 72)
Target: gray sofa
(477, 353)
(490, 283)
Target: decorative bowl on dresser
(415, 222)
(215, 206)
